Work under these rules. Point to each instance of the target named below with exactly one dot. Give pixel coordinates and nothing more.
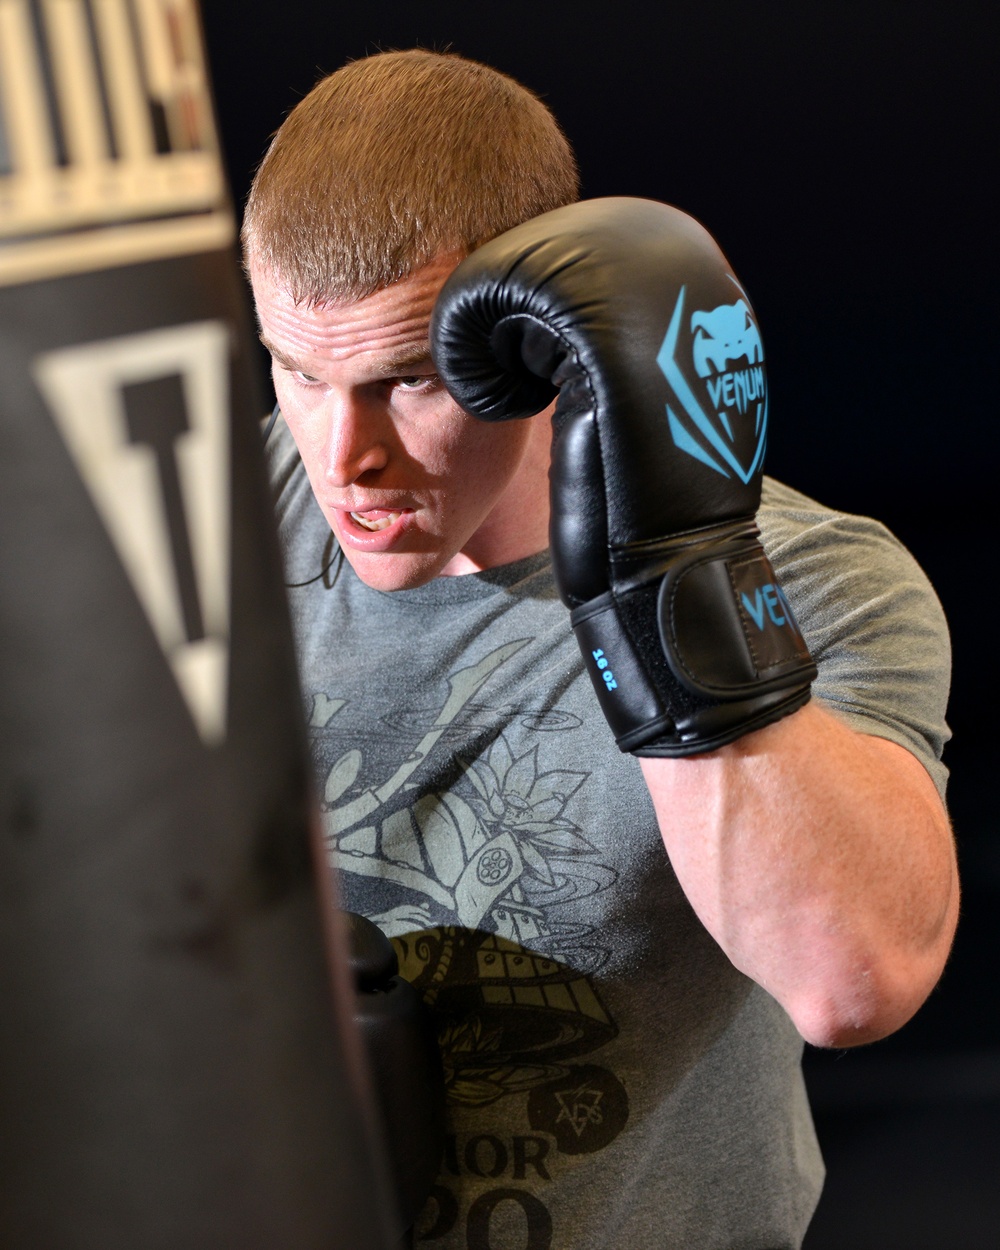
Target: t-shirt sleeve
(871, 619)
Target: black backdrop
(840, 152)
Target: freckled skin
(377, 430)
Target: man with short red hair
(623, 951)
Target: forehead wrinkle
(390, 329)
(394, 361)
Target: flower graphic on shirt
(512, 795)
(489, 852)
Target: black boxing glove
(628, 310)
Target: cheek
(296, 403)
(490, 455)
(501, 444)
(284, 398)
(278, 380)
(306, 434)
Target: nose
(355, 441)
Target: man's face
(411, 485)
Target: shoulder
(788, 519)
(870, 616)
(836, 557)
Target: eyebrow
(392, 364)
(402, 358)
(277, 354)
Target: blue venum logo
(769, 598)
(725, 336)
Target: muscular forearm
(822, 862)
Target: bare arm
(822, 862)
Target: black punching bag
(177, 1070)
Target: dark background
(840, 153)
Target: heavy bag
(178, 1065)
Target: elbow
(838, 1022)
(862, 992)
(871, 1003)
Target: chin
(388, 571)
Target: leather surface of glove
(629, 312)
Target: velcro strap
(726, 627)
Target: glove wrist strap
(697, 655)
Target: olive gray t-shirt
(613, 1080)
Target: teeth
(376, 523)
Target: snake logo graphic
(724, 334)
(720, 417)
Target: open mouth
(375, 519)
